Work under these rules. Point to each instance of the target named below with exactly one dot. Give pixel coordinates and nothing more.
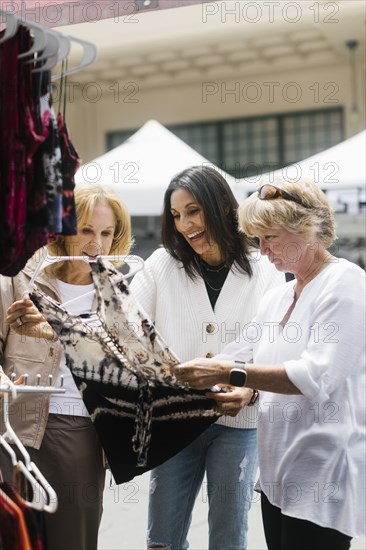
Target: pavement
(124, 519)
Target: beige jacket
(28, 414)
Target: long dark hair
(213, 194)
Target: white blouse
(71, 402)
(312, 446)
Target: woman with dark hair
(201, 290)
(210, 189)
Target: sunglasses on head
(270, 192)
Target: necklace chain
(213, 288)
(214, 271)
(206, 268)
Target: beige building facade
(219, 61)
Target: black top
(214, 277)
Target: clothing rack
(44, 497)
(39, 192)
(25, 388)
(31, 389)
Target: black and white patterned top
(141, 414)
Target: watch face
(238, 377)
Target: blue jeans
(229, 458)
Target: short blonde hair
(317, 221)
(87, 197)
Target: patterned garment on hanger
(141, 414)
(128, 325)
(70, 163)
(52, 165)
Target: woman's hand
(232, 401)
(17, 382)
(25, 319)
(202, 373)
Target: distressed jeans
(229, 458)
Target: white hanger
(39, 40)
(90, 54)
(14, 460)
(49, 54)
(57, 48)
(128, 259)
(11, 25)
(39, 33)
(10, 434)
(52, 46)
(52, 503)
(9, 450)
(44, 496)
(39, 501)
(127, 276)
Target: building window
(252, 146)
(305, 134)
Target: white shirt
(71, 402)
(312, 446)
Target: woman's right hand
(202, 373)
(25, 319)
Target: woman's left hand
(232, 401)
(202, 373)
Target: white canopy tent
(140, 169)
(340, 171)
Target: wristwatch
(238, 375)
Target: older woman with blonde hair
(57, 430)
(305, 352)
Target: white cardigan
(312, 446)
(181, 310)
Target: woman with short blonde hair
(305, 352)
(316, 217)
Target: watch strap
(254, 398)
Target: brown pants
(71, 459)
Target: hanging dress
(21, 229)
